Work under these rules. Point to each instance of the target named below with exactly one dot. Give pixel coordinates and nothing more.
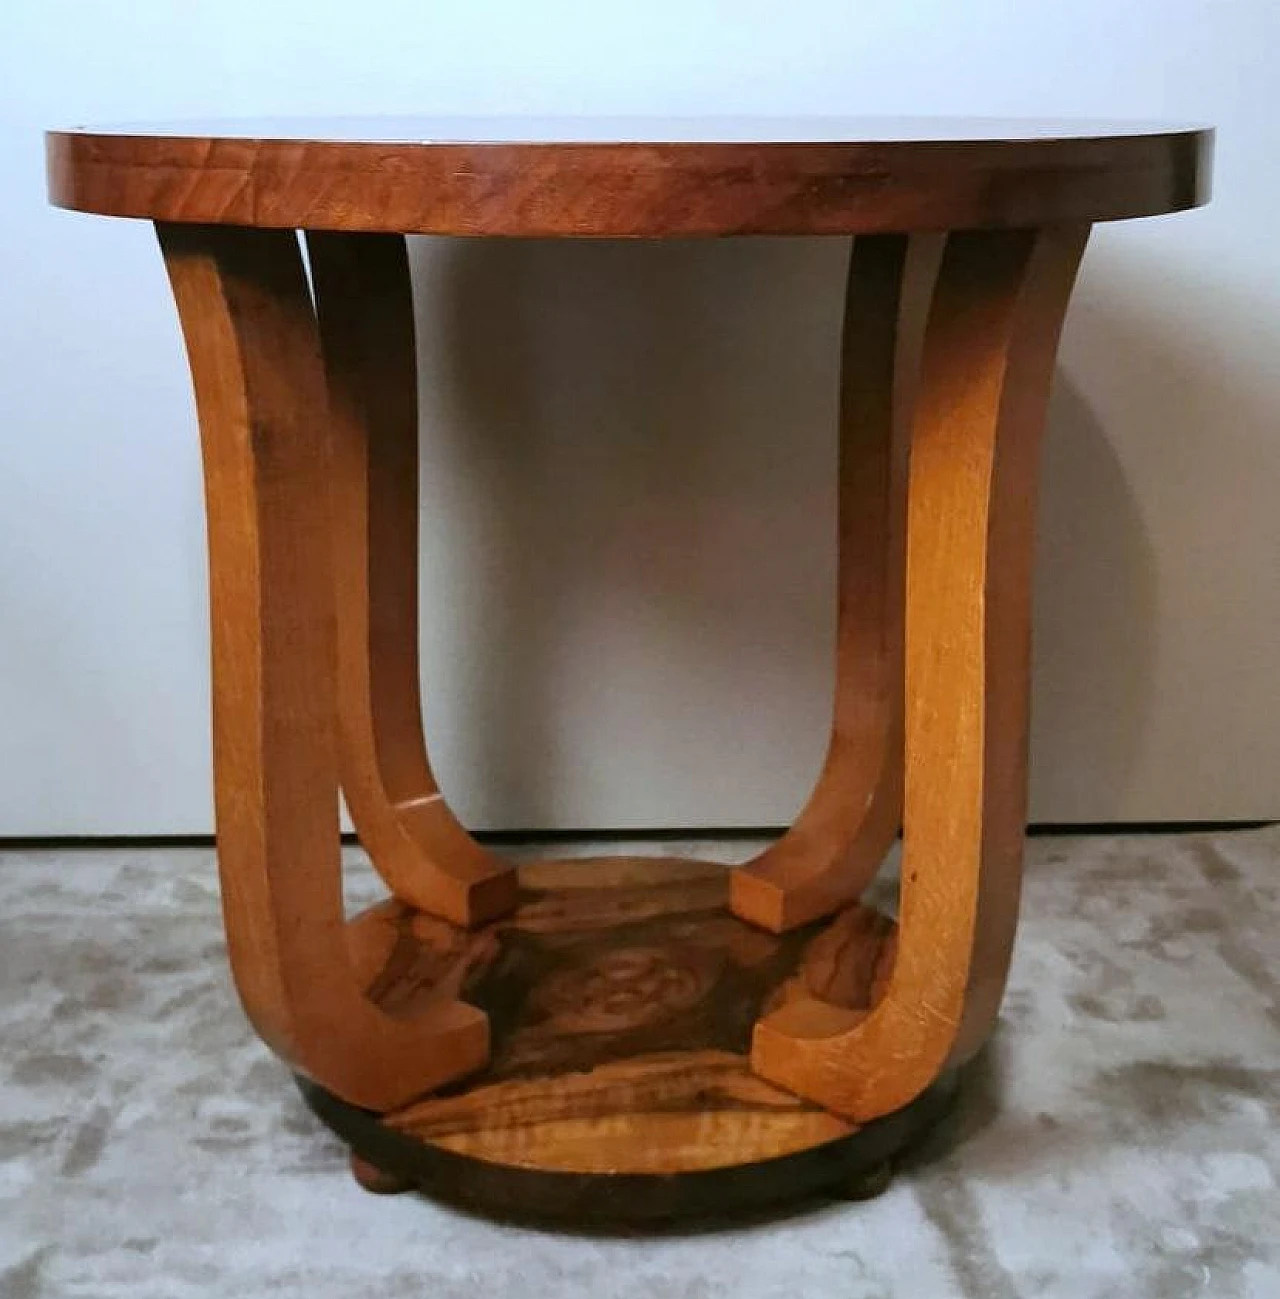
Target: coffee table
(621, 1039)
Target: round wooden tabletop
(643, 177)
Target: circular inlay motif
(626, 988)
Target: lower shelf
(621, 996)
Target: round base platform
(621, 996)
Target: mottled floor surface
(1121, 1138)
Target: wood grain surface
(839, 840)
(621, 996)
(364, 310)
(1004, 175)
(254, 352)
(985, 374)
(614, 1023)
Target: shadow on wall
(629, 448)
(1095, 617)
(1157, 602)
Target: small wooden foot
(376, 1180)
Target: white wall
(629, 496)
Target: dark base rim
(595, 1200)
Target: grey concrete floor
(1120, 1136)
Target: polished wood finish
(622, 1039)
(932, 176)
(621, 995)
(365, 312)
(988, 361)
(377, 1181)
(856, 1167)
(260, 394)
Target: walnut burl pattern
(621, 995)
(621, 1024)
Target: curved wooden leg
(252, 344)
(988, 361)
(852, 818)
(365, 311)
